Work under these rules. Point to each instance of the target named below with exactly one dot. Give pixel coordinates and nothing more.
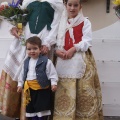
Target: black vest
(40, 71)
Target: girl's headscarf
(64, 26)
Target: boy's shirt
(31, 75)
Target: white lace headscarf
(64, 27)
(25, 3)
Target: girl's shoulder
(87, 21)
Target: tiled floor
(112, 118)
(5, 118)
(106, 118)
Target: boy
(39, 77)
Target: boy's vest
(40, 71)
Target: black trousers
(40, 100)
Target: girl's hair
(34, 41)
(65, 1)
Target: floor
(106, 118)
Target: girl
(78, 96)
(37, 74)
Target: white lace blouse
(75, 67)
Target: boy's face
(33, 51)
(73, 7)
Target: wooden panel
(106, 50)
(1, 64)
(5, 30)
(108, 71)
(111, 98)
(4, 46)
(110, 93)
(111, 110)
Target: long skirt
(79, 99)
(10, 100)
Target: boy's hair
(34, 41)
(65, 1)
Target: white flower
(4, 4)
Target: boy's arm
(51, 73)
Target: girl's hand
(54, 88)
(14, 32)
(69, 54)
(44, 49)
(19, 89)
(60, 54)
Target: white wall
(106, 48)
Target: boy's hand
(54, 88)
(19, 89)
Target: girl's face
(73, 7)
(33, 51)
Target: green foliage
(15, 15)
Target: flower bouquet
(15, 15)
(117, 7)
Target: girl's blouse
(31, 75)
(48, 37)
(86, 40)
(75, 67)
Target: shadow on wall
(95, 10)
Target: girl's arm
(20, 78)
(57, 5)
(86, 39)
(60, 53)
(14, 32)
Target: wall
(106, 47)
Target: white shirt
(86, 38)
(48, 37)
(75, 67)
(31, 75)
